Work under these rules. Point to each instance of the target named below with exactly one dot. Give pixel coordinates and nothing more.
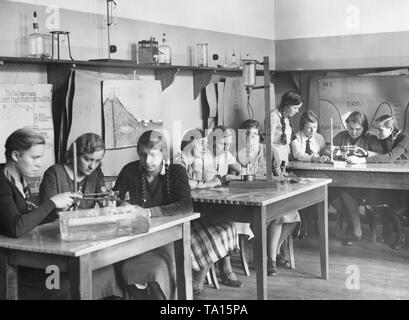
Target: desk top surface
(399, 167)
(46, 238)
(256, 197)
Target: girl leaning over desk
(346, 200)
(24, 150)
(60, 178)
(281, 136)
(212, 241)
(395, 147)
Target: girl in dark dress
(24, 151)
(60, 178)
(395, 148)
(346, 200)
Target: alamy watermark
(353, 279)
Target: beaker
(249, 72)
(202, 53)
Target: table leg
(259, 251)
(184, 264)
(8, 278)
(80, 271)
(323, 230)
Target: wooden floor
(383, 274)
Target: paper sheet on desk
(358, 165)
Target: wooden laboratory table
(259, 207)
(43, 247)
(376, 175)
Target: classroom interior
(303, 40)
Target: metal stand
(269, 182)
(57, 34)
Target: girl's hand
(355, 159)
(125, 204)
(214, 183)
(65, 200)
(323, 159)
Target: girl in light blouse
(308, 145)
(212, 241)
(281, 136)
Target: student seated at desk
(212, 240)
(308, 145)
(281, 136)
(253, 156)
(395, 147)
(24, 151)
(164, 191)
(253, 159)
(345, 200)
(90, 179)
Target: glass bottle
(233, 63)
(36, 40)
(165, 53)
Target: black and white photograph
(204, 151)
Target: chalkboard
(372, 95)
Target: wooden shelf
(357, 70)
(165, 73)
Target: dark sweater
(129, 180)
(15, 218)
(56, 180)
(393, 150)
(368, 141)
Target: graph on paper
(372, 95)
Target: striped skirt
(211, 241)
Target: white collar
(302, 135)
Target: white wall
(88, 41)
(323, 18)
(241, 17)
(88, 33)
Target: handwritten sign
(28, 106)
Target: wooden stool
(211, 277)
(243, 255)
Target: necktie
(26, 189)
(308, 147)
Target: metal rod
(58, 45)
(52, 46)
(74, 159)
(331, 137)
(267, 115)
(109, 23)
(69, 45)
